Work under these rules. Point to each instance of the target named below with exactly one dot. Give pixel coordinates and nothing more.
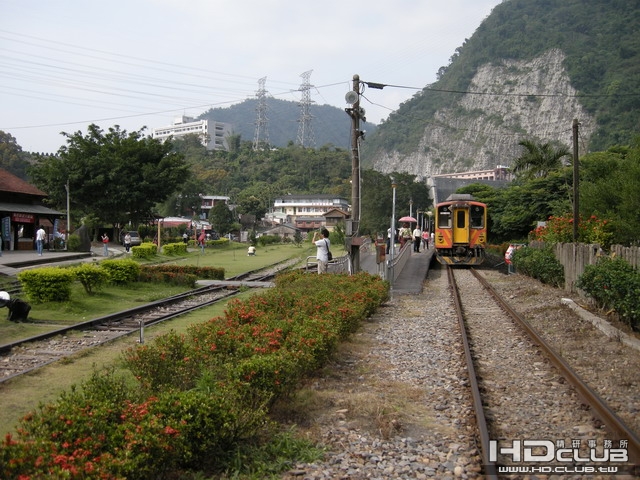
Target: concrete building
(210, 201)
(22, 212)
(212, 134)
(311, 209)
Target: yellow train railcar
(460, 230)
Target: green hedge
(91, 276)
(205, 273)
(144, 251)
(49, 284)
(121, 272)
(175, 249)
(614, 284)
(539, 263)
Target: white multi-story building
(290, 207)
(212, 134)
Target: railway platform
(11, 262)
(411, 278)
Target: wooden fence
(575, 256)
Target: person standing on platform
(105, 242)
(405, 235)
(391, 238)
(40, 236)
(417, 239)
(425, 239)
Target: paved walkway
(412, 277)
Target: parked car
(135, 238)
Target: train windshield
(444, 217)
(477, 216)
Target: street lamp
(411, 207)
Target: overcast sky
(139, 63)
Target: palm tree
(539, 159)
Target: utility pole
(355, 113)
(576, 181)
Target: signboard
(23, 218)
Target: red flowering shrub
(199, 394)
(560, 230)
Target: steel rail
(483, 430)
(601, 410)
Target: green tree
(116, 176)
(12, 158)
(609, 190)
(538, 160)
(221, 218)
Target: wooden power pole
(576, 181)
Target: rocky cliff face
(509, 102)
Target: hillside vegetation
(602, 58)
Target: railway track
(523, 391)
(29, 354)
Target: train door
(461, 225)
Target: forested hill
(330, 125)
(530, 68)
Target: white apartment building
(289, 207)
(501, 172)
(212, 134)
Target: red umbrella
(408, 219)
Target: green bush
(264, 240)
(91, 276)
(539, 263)
(49, 284)
(144, 251)
(121, 272)
(614, 284)
(207, 273)
(175, 249)
(74, 243)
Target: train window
(461, 219)
(477, 216)
(444, 217)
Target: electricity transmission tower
(305, 132)
(261, 136)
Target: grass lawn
(24, 394)
(81, 307)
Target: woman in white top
(323, 245)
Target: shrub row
(539, 263)
(614, 284)
(175, 249)
(207, 273)
(53, 284)
(201, 394)
(144, 251)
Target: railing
(337, 265)
(395, 266)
